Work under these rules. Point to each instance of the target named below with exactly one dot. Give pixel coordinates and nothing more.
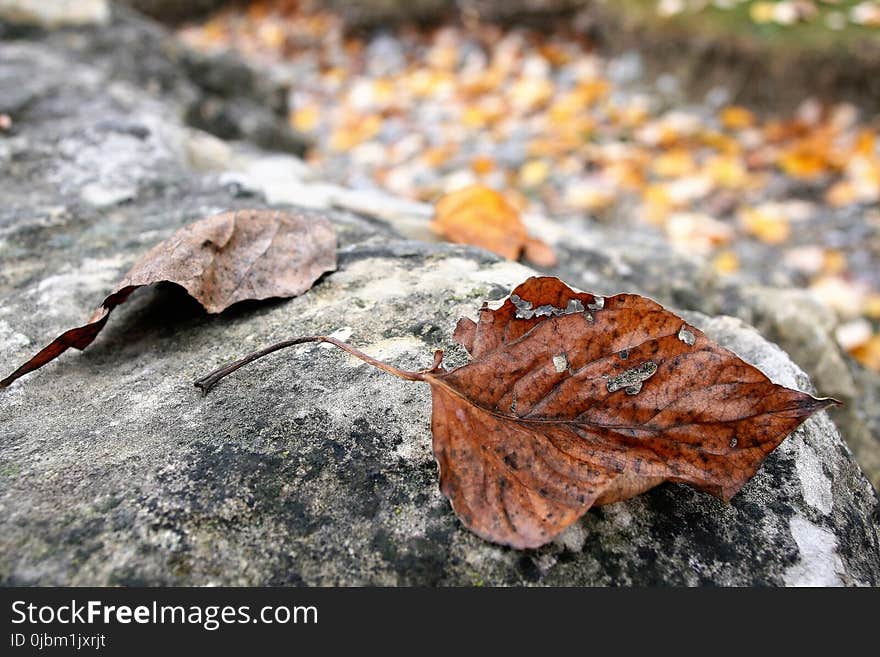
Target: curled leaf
(573, 400)
(219, 260)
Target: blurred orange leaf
(726, 262)
(868, 354)
(766, 224)
(736, 118)
(803, 162)
(480, 216)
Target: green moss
(736, 23)
(10, 470)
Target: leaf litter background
(560, 130)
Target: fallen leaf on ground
(480, 216)
(573, 400)
(219, 261)
(735, 117)
(767, 223)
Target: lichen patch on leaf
(632, 379)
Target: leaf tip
(816, 404)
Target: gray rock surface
(215, 93)
(55, 13)
(308, 467)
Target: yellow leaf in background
(631, 116)
(384, 92)
(426, 83)
(354, 132)
(213, 33)
(482, 165)
(853, 333)
(474, 117)
(569, 165)
(725, 263)
(443, 57)
(864, 173)
(626, 174)
(803, 162)
(517, 199)
(588, 195)
(765, 224)
(735, 117)
(477, 84)
(555, 54)
(841, 193)
(780, 131)
(845, 297)
(528, 94)
(484, 113)
(271, 35)
(762, 12)
(834, 261)
(334, 77)
(868, 354)
(480, 216)
(657, 204)
(436, 156)
(694, 232)
(674, 163)
(726, 171)
(589, 91)
(574, 103)
(871, 306)
(553, 146)
(533, 173)
(305, 119)
(721, 142)
(866, 143)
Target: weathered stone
(54, 13)
(216, 93)
(114, 470)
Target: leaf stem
(210, 380)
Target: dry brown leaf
(219, 261)
(573, 400)
(480, 216)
